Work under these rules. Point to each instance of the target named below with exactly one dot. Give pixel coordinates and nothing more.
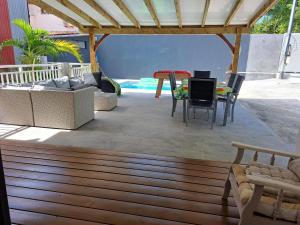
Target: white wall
(294, 60)
(49, 22)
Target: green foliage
(37, 43)
(277, 19)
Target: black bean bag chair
(106, 84)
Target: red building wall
(7, 56)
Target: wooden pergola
(160, 17)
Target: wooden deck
(51, 185)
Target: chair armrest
(262, 181)
(242, 147)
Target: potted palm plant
(37, 43)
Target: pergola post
(92, 50)
(236, 52)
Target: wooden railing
(14, 74)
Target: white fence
(78, 69)
(14, 74)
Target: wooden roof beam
(233, 11)
(173, 30)
(152, 11)
(206, 7)
(178, 12)
(79, 12)
(127, 12)
(262, 12)
(50, 9)
(227, 42)
(102, 12)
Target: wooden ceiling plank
(127, 12)
(103, 12)
(173, 30)
(79, 12)
(152, 11)
(262, 12)
(233, 11)
(206, 7)
(55, 12)
(178, 12)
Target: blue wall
(17, 9)
(139, 56)
(135, 56)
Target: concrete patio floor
(277, 103)
(143, 124)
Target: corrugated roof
(159, 16)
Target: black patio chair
(232, 80)
(173, 86)
(239, 79)
(202, 94)
(201, 74)
(175, 98)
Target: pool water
(144, 84)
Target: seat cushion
(89, 79)
(97, 77)
(275, 173)
(179, 93)
(290, 207)
(110, 85)
(75, 81)
(46, 83)
(62, 82)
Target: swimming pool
(144, 84)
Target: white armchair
(265, 193)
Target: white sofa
(16, 107)
(47, 108)
(63, 109)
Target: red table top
(164, 72)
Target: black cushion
(106, 86)
(97, 76)
(80, 86)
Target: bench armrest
(262, 181)
(242, 147)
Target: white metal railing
(14, 74)
(78, 69)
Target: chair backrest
(232, 80)
(202, 91)
(238, 84)
(173, 84)
(172, 78)
(201, 74)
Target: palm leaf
(22, 24)
(13, 42)
(70, 47)
(37, 43)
